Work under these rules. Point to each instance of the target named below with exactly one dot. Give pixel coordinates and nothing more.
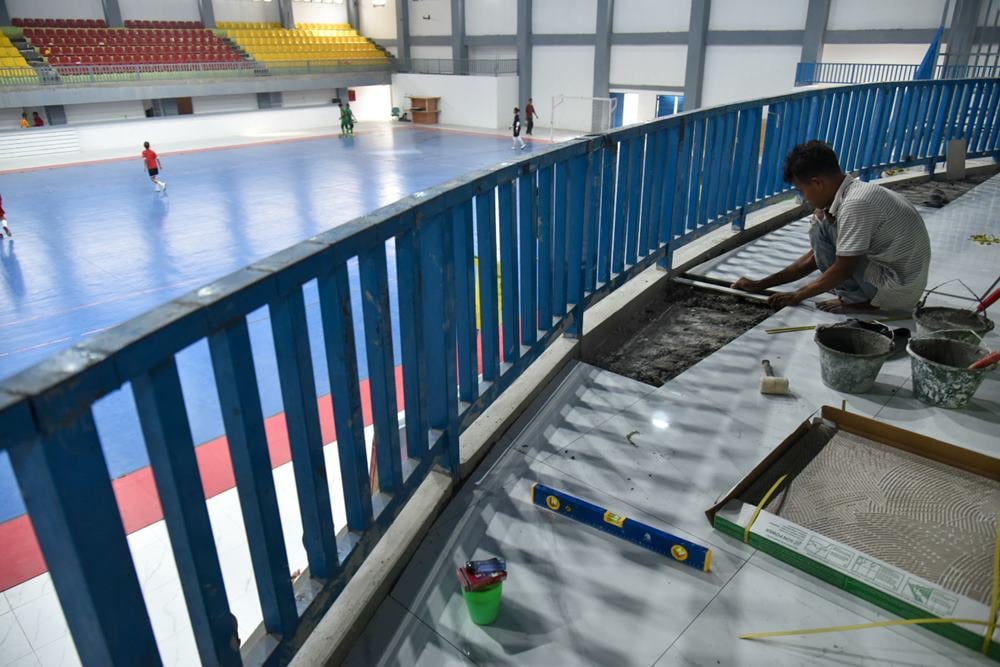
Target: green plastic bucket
(484, 605)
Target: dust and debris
(628, 436)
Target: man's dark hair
(145, 144)
(809, 160)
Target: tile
(153, 557)
(29, 660)
(14, 643)
(60, 653)
(30, 590)
(396, 637)
(4, 605)
(756, 601)
(573, 591)
(42, 620)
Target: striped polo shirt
(886, 229)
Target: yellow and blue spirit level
(645, 536)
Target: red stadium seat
(17, 22)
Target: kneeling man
(870, 244)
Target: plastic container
(941, 374)
(939, 318)
(851, 358)
(484, 605)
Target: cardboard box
(838, 564)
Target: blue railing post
(489, 303)
(165, 428)
(527, 217)
(509, 279)
(64, 482)
(409, 281)
(579, 166)
(465, 302)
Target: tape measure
(636, 532)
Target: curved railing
(561, 228)
(809, 73)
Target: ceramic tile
(756, 601)
(394, 636)
(573, 591)
(4, 605)
(14, 644)
(42, 620)
(30, 660)
(60, 653)
(30, 590)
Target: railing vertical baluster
(655, 217)
(976, 114)
(345, 392)
(770, 129)
(916, 114)
(695, 182)
(64, 481)
(465, 303)
(381, 369)
(898, 123)
(239, 398)
(851, 132)
(783, 130)
(579, 167)
(486, 238)
(649, 169)
(669, 186)
(437, 267)
(607, 211)
(167, 433)
(298, 395)
(755, 165)
(883, 147)
(527, 196)
(594, 189)
(935, 149)
(987, 102)
(559, 224)
(872, 139)
(408, 281)
(710, 173)
(738, 172)
(727, 153)
(927, 127)
(545, 247)
(634, 198)
(621, 208)
(509, 273)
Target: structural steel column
(207, 12)
(4, 14)
(286, 14)
(960, 37)
(812, 39)
(112, 13)
(459, 49)
(523, 51)
(352, 14)
(403, 32)
(602, 48)
(694, 73)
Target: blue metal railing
(807, 74)
(562, 227)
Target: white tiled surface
(577, 596)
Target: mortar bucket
(941, 374)
(484, 604)
(940, 318)
(850, 358)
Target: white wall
(307, 98)
(10, 118)
(430, 52)
(470, 101)
(492, 52)
(868, 15)
(245, 10)
(55, 9)
(224, 103)
(652, 15)
(893, 54)
(758, 15)
(158, 10)
(565, 70)
(440, 17)
(648, 65)
(376, 22)
(310, 12)
(735, 73)
(563, 16)
(490, 17)
(103, 111)
(372, 103)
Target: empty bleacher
(14, 69)
(276, 47)
(71, 43)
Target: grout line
(429, 627)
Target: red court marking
(139, 503)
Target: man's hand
(747, 285)
(782, 299)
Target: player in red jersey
(3, 219)
(153, 166)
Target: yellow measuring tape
(990, 624)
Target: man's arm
(800, 268)
(842, 269)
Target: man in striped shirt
(869, 243)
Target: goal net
(581, 114)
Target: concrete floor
(578, 596)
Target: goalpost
(585, 114)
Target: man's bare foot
(838, 306)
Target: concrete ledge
(331, 640)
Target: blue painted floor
(95, 245)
